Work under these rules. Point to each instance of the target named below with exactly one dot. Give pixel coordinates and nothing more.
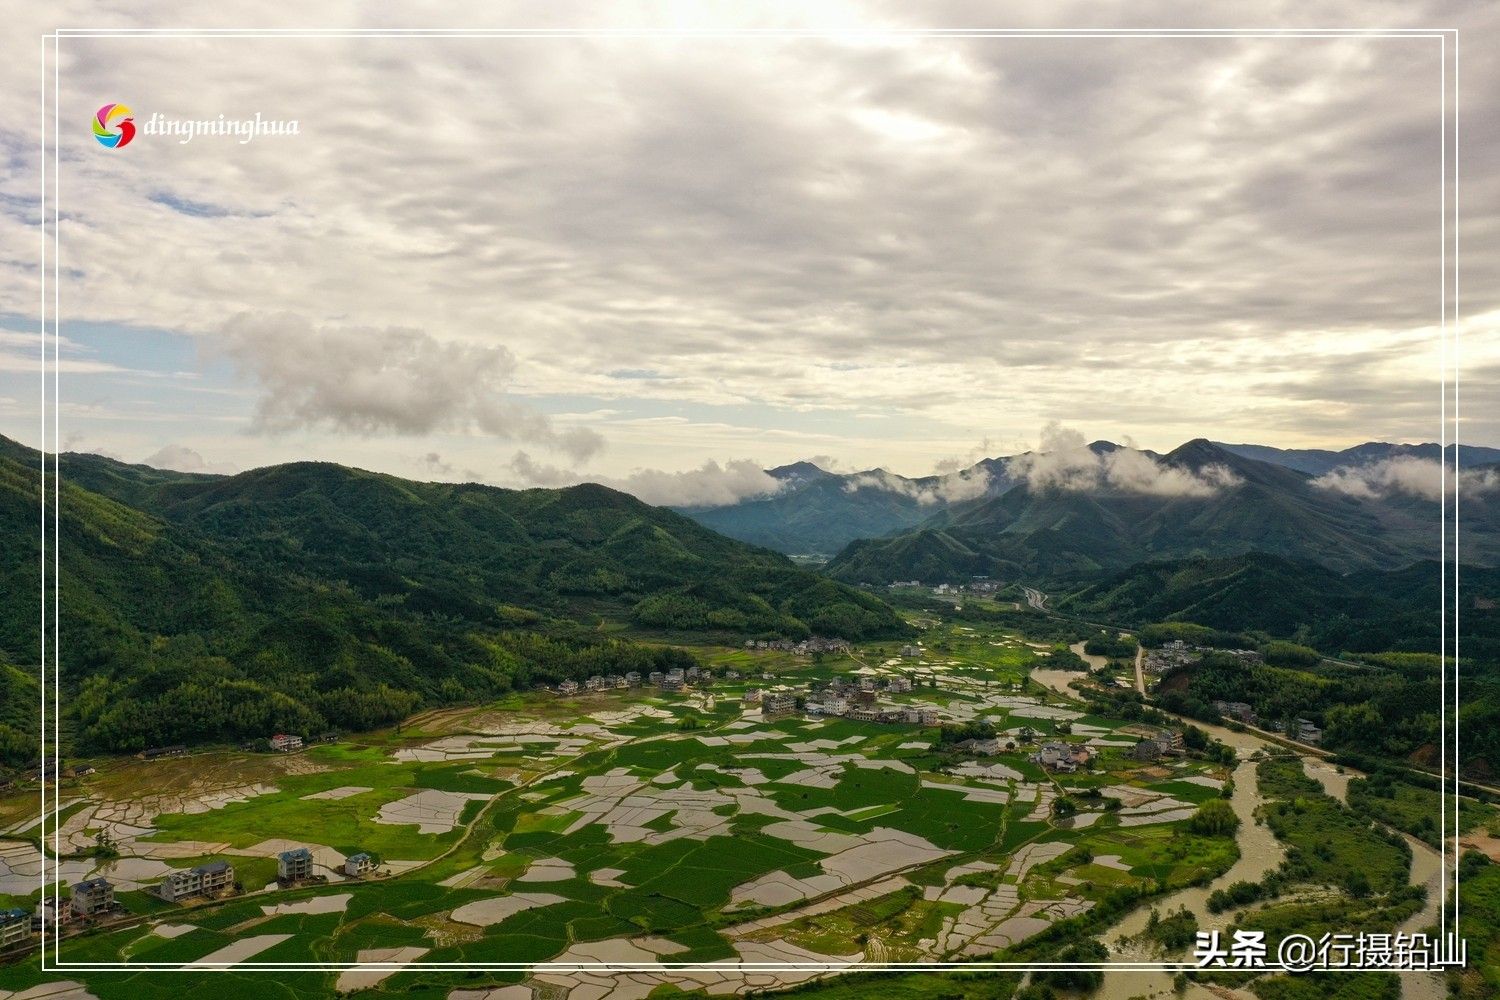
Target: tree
(1214, 818)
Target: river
(1260, 852)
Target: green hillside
(312, 595)
(1368, 611)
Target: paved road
(1035, 598)
(1140, 676)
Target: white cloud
(368, 380)
(950, 488)
(709, 485)
(1064, 461)
(1408, 475)
(181, 458)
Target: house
(1146, 750)
(1304, 731)
(673, 681)
(633, 679)
(979, 747)
(92, 897)
(284, 743)
(295, 865)
(83, 769)
(898, 685)
(655, 678)
(731, 675)
(1063, 757)
(157, 753)
(830, 705)
(205, 880)
(863, 713)
(359, 865)
(751, 696)
(1236, 710)
(911, 652)
(619, 682)
(864, 697)
(568, 687)
(775, 704)
(922, 716)
(15, 927)
(594, 683)
(49, 914)
(867, 683)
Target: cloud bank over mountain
(1063, 460)
(1409, 476)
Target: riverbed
(1260, 852)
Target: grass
(676, 889)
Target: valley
(613, 833)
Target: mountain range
(1048, 531)
(1019, 517)
(312, 594)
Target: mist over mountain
(1200, 500)
(1087, 507)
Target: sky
(667, 262)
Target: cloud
(1063, 461)
(891, 220)
(709, 485)
(386, 380)
(1406, 475)
(180, 458)
(950, 488)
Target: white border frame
(50, 327)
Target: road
(1038, 601)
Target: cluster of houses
(802, 647)
(1301, 730)
(857, 701)
(1177, 653)
(46, 771)
(675, 679)
(94, 898)
(978, 585)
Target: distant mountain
(819, 512)
(1317, 461)
(310, 593)
(1059, 532)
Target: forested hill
(1367, 611)
(311, 595)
